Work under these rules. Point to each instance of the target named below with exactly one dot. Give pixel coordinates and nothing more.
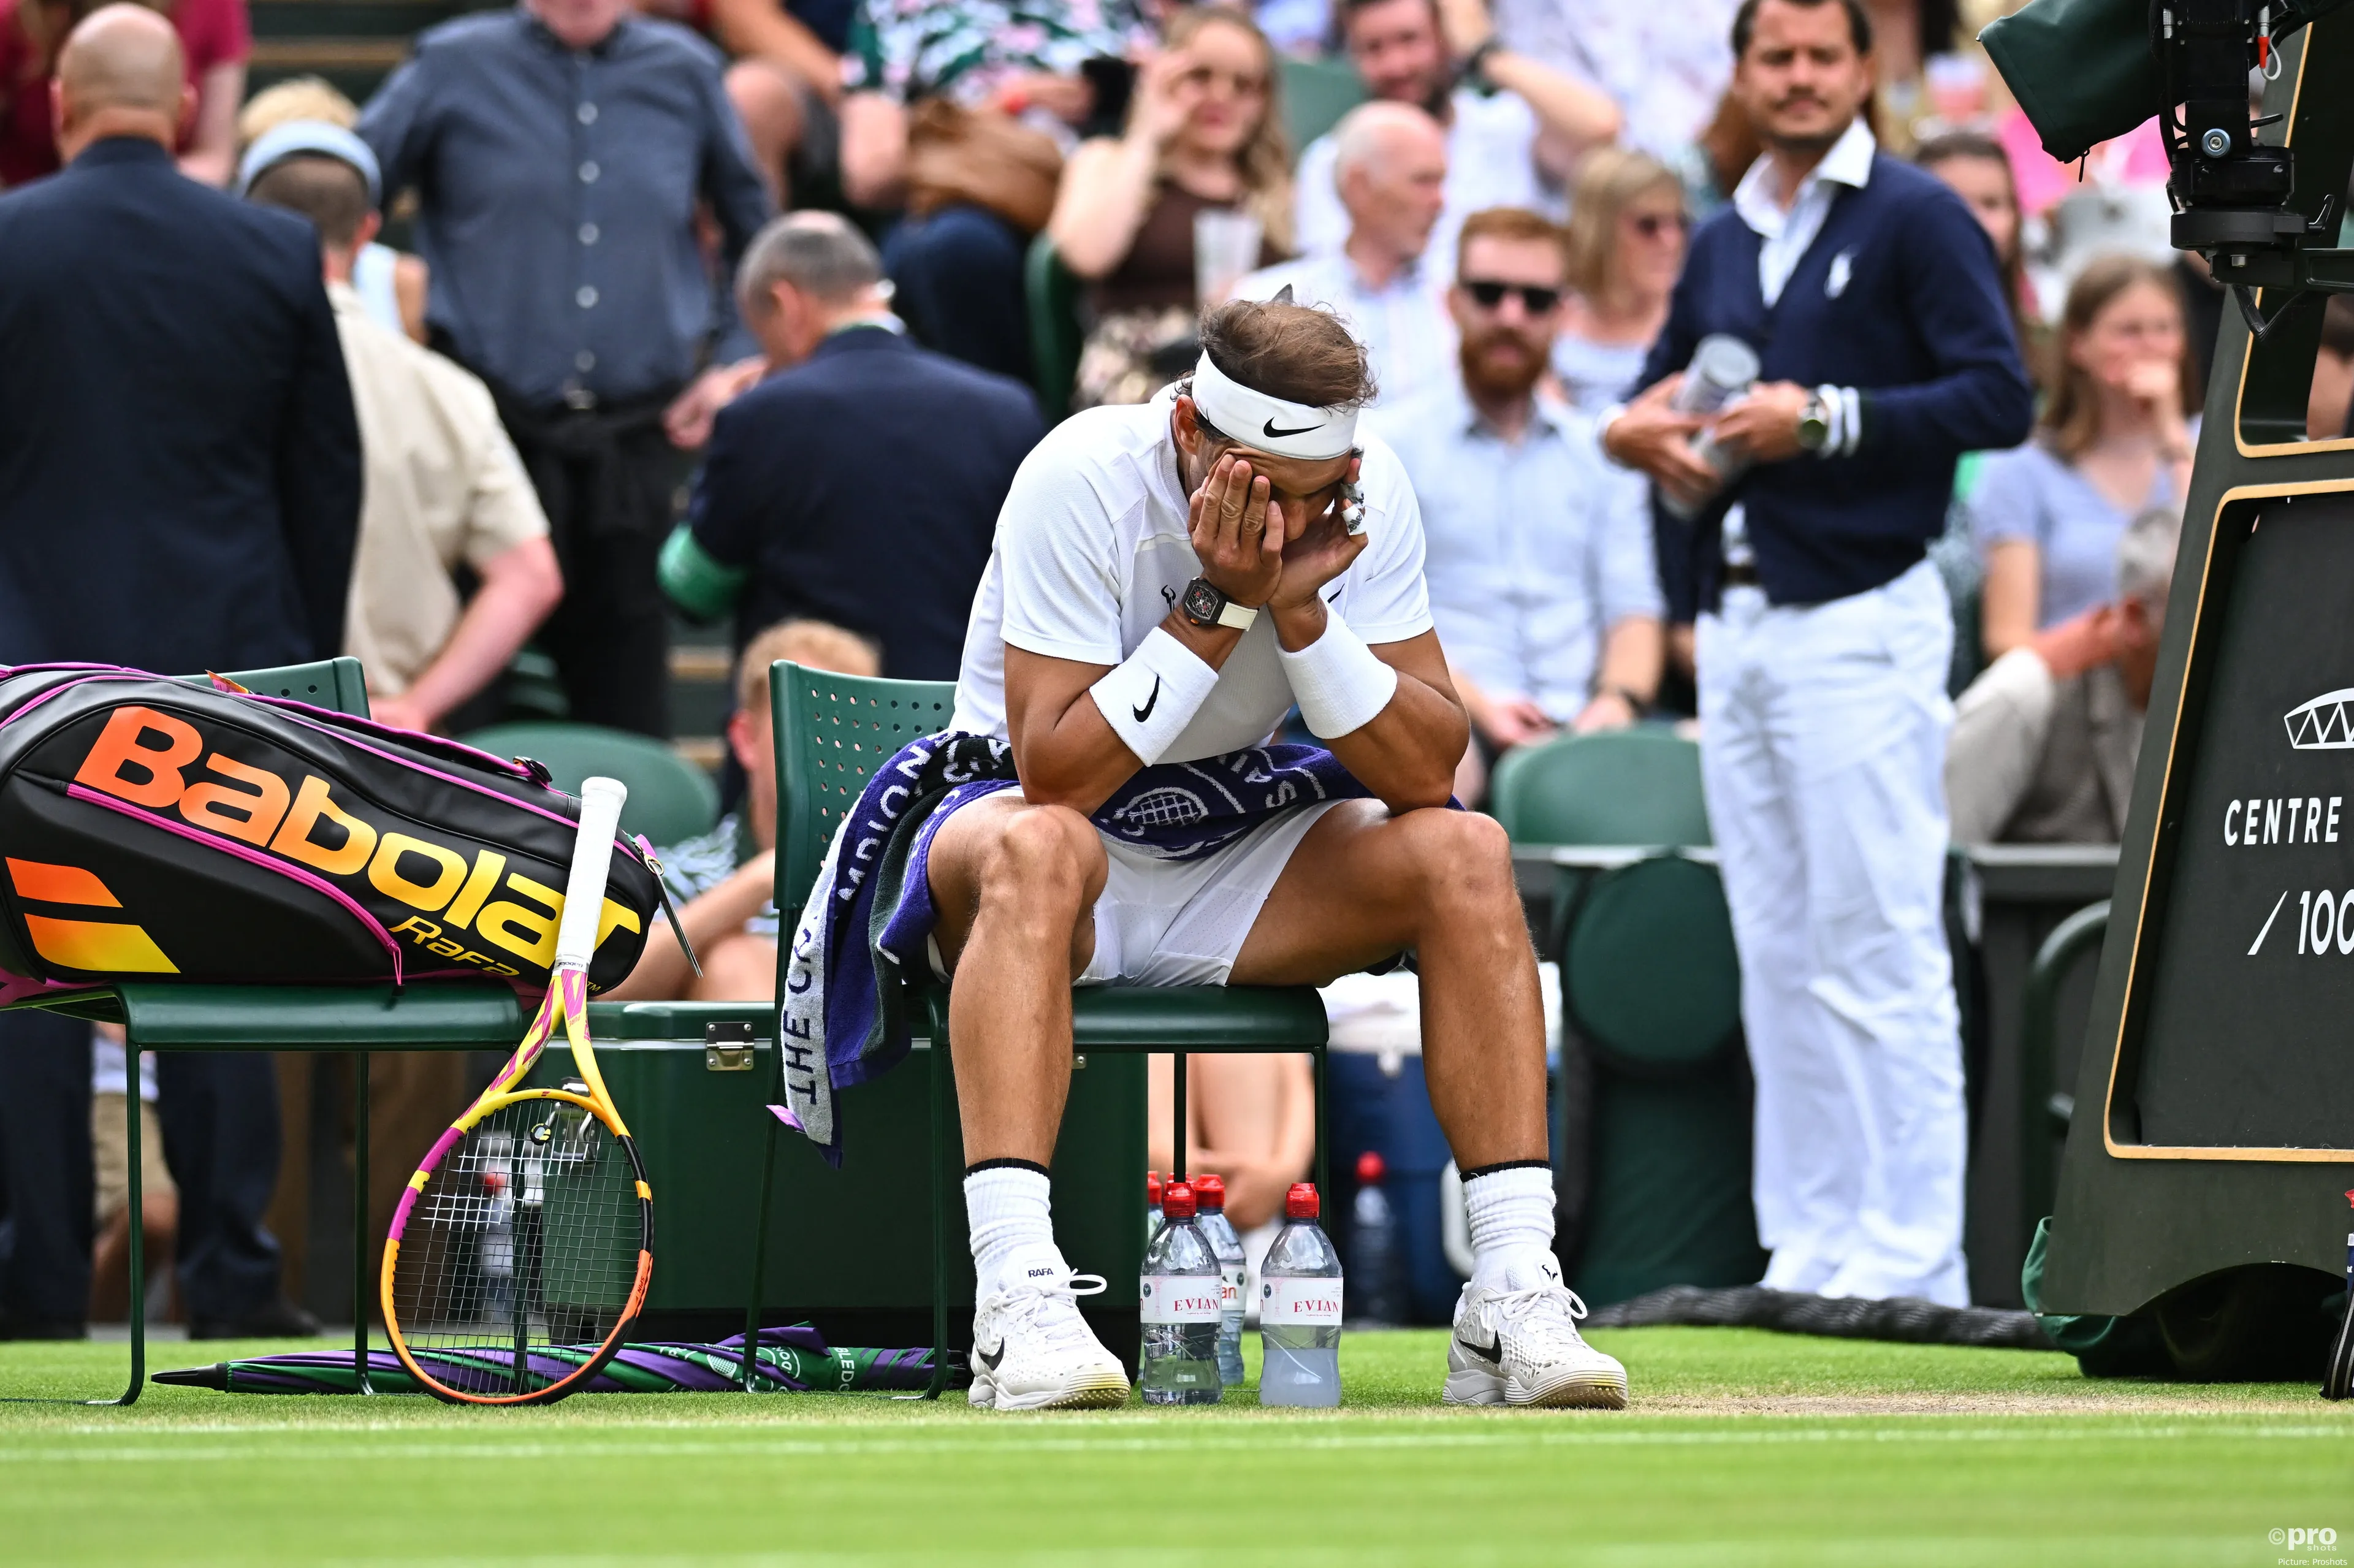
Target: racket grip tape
(592, 858)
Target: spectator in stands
(958, 265)
(860, 483)
(445, 490)
(2045, 740)
(1515, 129)
(1975, 165)
(2330, 403)
(1386, 282)
(1249, 1119)
(179, 490)
(1625, 244)
(724, 882)
(391, 284)
(2115, 440)
(1875, 305)
(1205, 134)
(1665, 66)
(216, 40)
(558, 151)
(159, 1198)
(1539, 551)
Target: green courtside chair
(832, 731)
(1637, 786)
(1051, 291)
(427, 1015)
(670, 799)
(1316, 93)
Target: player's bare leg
(1015, 885)
(1362, 886)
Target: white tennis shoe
(1519, 1345)
(1032, 1351)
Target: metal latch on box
(728, 1046)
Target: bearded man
(1168, 580)
(1542, 581)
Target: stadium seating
(1052, 292)
(1316, 93)
(832, 731)
(671, 800)
(1639, 786)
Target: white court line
(1258, 1440)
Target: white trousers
(1822, 752)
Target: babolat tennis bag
(156, 829)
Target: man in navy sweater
(859, 483)
(1874, 302)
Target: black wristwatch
(1206, 607)
(1475, 64)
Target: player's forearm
(1069, 754)
(1405, 752)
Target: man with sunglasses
(1542, 579)
(1875, 306)
(1168, 580)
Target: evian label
(1299, 1303)
(1179, 1297)
(1230, 1298)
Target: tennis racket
(520, 1253)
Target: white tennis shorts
(1183, 922)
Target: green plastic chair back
(1649, 974)
(1052, 292)
(670, 799)
(833, 732)
(1639, 786)
(1316, 93)
(335, 683)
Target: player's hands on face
(1652, 436)
(1237, 531)
(1322, 551)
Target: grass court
(1740, 1447)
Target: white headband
(1271, 424)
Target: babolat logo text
(155, 760)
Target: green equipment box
(848, 1249)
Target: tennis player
(1168, 579)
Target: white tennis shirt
(1092, 551)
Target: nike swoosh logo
(1150, 703)
(989, 1361)
(1492, 1352)
(1271, 428)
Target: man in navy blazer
(180, 492)
(1874, 304)
(860, 483)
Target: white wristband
(1339, 685)
(1151, 696)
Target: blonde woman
(1625, 246)
(2113, 441)
(1203, 132)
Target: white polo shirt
(1092, 551)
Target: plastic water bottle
(1300, 1309)
(1233, 1267)
(1178, 1301)
(1152, 1206)
(1373, 1247)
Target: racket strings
(521, 1251)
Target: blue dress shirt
(557, 201)
(1536, 547)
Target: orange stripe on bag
(59, 883)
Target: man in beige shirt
(2045, 739)
(443, 486)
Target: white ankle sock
(1006, 1206)
(1511, 1224)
